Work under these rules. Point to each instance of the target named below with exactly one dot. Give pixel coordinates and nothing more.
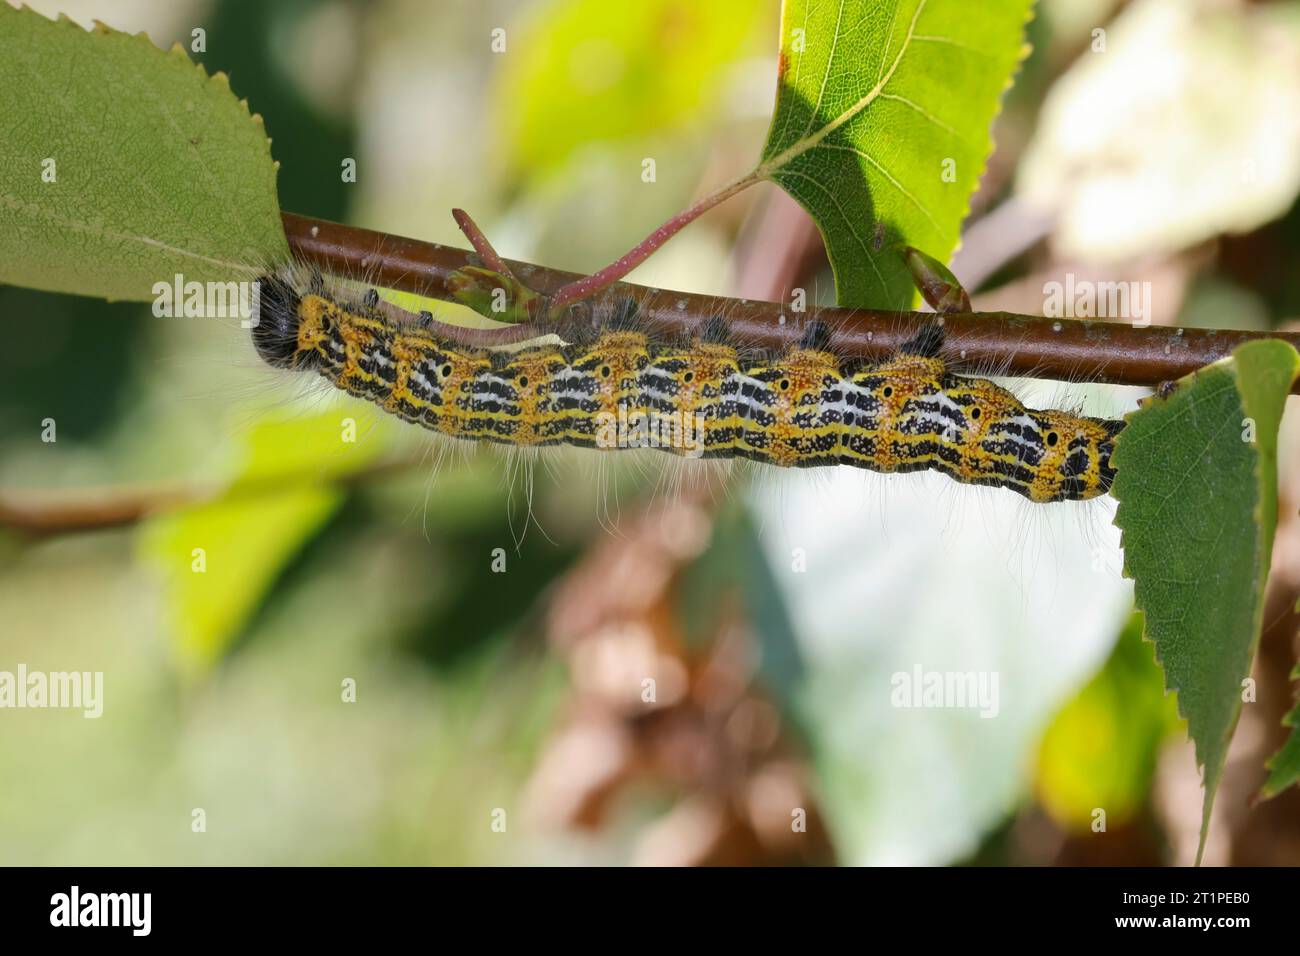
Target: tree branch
(1065, 349)
(40, 513)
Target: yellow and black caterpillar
(804, 408)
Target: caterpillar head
(1075, 463)
(275, 333)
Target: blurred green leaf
(74, 365)
(882, 123)
(480, 607)
(259, 44)
(591, 71)
(734, 565)
(249, 534)
(1284, 766)
(1197, 488)
(153, 167)
(1101, 748)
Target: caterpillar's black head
(275, 334)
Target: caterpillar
(804, 408)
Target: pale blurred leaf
(1188, 125)
(914, 571)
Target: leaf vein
(888, 175)
(807, 142)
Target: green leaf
(1197, 488)
(1101, 748)
(219, 560)
(122, 165)
(1284, 766)
(881, 129)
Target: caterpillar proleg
(804, 408)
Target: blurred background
(499, 627)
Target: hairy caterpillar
(804, 408)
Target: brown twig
(35, 514)
(1066, 349)
(474, 234)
